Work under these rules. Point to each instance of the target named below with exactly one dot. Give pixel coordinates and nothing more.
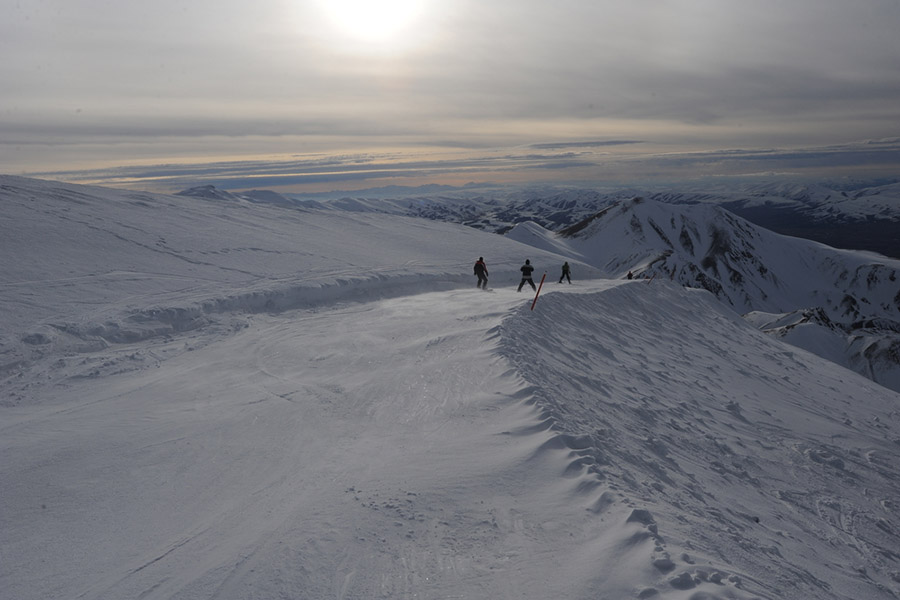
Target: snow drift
(86, 267)
(320, 405)
(854, 296)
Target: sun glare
(372, 20)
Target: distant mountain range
(202, 396)
(842, 305)
(857, 218)
(862, 219)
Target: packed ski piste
(324, 404)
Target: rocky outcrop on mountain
(842, 305)
(858, 217)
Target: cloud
(93, 83)
(336, 170)
(590, 144)
(358, 171)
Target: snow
(220, 399)
(820, 202)
(842, 305)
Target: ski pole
(538, 290)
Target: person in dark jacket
(526, 276)
(565, 273)
(481, 273)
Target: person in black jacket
(526, 276)
(565, 273)
(481, 273)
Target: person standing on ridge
(482, 273)
(565, 273)
(526, 276)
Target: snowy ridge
(847, 215)
(96, 266)
(853, 215)
(557, 207)
(220, 315)
(821, 202)
(705, 441)
(747, 267)
(751, 270)
(260, 401)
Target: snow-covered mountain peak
(215, 399)
(749, 269)
(846, 215)
(209, 192)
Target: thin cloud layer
(92, 85)
(580, 165)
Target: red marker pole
(538, 293)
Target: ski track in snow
(281, 461)
(451, 444)
(367, 429)
(745, 448)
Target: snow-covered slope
(270, 403)
(840, 304)
(859, 216)
(713, 446)
(84, 267)
(747, 267)
(819, 202)
(494, 209)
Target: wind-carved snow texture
(776, 279)
(89, 267)
(222, 399)
(724, 260)
(714, 445)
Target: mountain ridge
(323, 405)
(855, 216)
(750, 270)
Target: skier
(482, 273)
(630, 275)
(526, 276)
(565, 273)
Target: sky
(316, 95)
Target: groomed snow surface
(222, 400)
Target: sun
(372, 20)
